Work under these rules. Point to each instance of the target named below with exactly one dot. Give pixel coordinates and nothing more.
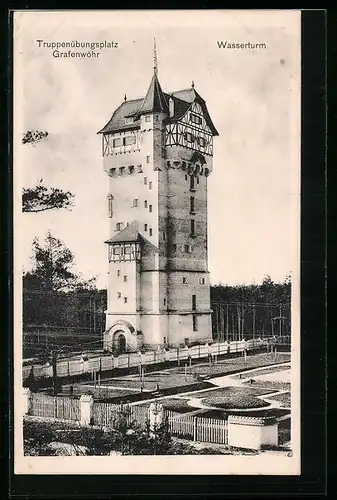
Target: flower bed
(178, 405)
(284, 399)
(272, 385)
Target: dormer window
(171, 107)
(129, 119)
(147, 118)
(195, 119)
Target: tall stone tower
(157, 152)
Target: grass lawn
(165, 380)
(284, 398)
(178, 405)
(227, 392)
(265, 371)
(273, 385)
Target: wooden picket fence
(65, 408)
(207, 430)
(106, 413)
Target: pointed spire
(155, 62)
(192, 84)
(125, 98)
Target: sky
(253, 97)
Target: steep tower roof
(154, 101)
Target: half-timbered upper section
(185, 118)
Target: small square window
(150, 231)
(118, 272)
(119, 295)
(202, 281)
(129, 119)
(197, 180)
(145, 227)
(147, 118)
(125, 300)
(186, 177)
(145, 181)
(164, 340)
(147, 159)
(125, 278)
(117, 142)
(145, 204)
(184, 280)
(150, 185)
(134, 202)
(150, 208)
(119, 226)
(187, 248)
(164, 301)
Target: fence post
(55, 406)
(86, 409)
(26, 400)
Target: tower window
(150, 208)
(195, 322)
(150, 185)
(118, 272)
(186, 177)
(197, 180)
(147, 118)
(125, 278)
(125, 300)
(147, 159)
(164, 236)
(188, 137)
(119, 295)
(194, 302)
(164, 301)
(192, 183)
(145, 204)
(119, 226)
(145, 227)
(187, 249)
(110, 198)
(192, 222)
(184, 280)
(145, 181)
(150, 231)
(130, 139)
(134, 202)
(202, 281)
(192, 208)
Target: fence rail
(90, 365)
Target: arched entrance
(119, 342)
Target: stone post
(26, 400)
(156, 415)
(252, 432)
(86, 407)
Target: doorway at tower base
(155, 331)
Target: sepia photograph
(156, 242)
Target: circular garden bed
(238, 401)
